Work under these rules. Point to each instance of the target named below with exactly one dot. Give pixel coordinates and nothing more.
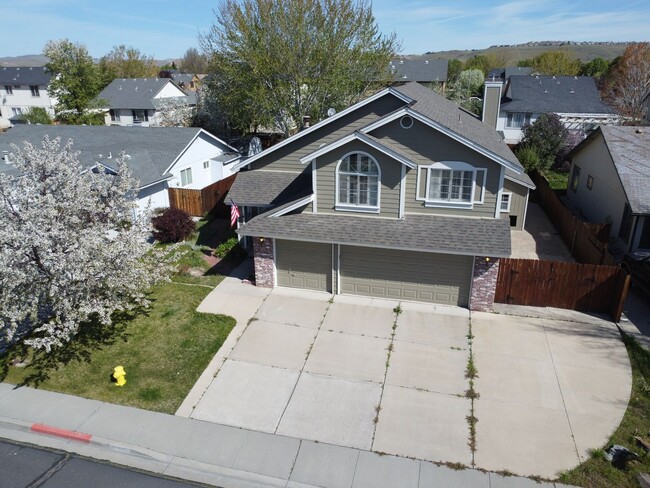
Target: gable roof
(24, 75)
(629, 148)
(152, 150)
(553, 94)
(508, 71)
(136, 93)
(420, 70)
(323, 123)
(381, 146)
(457, 123)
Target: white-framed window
(453, 184)
(357, 182)
(506, 198)
(186, 176)
(206, 164)
(140, 116)
(34, 90)
(517, 120)
(16, 111)
(9, 89)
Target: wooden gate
(582, 287)
(207, 200)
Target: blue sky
(166, 28)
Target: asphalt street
(30, 467)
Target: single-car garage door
(304, 265)
(408, 275)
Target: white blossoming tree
(72, 249)
(173, 112)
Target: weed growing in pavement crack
(471, 373)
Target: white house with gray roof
(159, 157)
(22, 88)
(403, 195)
(136, 101)
(510, 103)
(610, 182)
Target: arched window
(357, 179)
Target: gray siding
(386, 273)
(288, 157)
(425, 145)
(491, 100)
(326, 180)
(304, 265)
(517, 202)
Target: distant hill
(27, 60)
(513, 53)
(40, 60)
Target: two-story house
(137, 101)
(22, 88)
(403, 195)
(512, 101)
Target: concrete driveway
(350, 371)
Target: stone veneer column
(484, 283)
(263, 259)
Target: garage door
(407, 275)
(304, 265)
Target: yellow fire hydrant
(120, 376)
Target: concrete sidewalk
(215, 454)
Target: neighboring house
(610, 182)
(136, 101)
(512, 102)
(159, 157)
(507, 72)
(427, 71)
(22, 88)
(187, 81)
(403, 195)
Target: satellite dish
(330, 111)
(255, 146)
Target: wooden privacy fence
(587, 242)
(207, 200)
(582, 287)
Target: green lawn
(598, 472)
(558, 180)
(163, 349)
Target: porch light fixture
(487, 260)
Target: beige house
(610, 182)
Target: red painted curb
(66, 434)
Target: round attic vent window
(406, 122)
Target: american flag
(234, 213)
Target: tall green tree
(75, 82)
(542, 141)
(194, 62)
(597, 67)
(276, 61)
(126, 62)
(454, 68)
(558, 63)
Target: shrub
(230, 247)
(528, 157)
(173, 225)
(548, 136)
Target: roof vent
(426, 61)
(639, 130)
(553, 76)
(557, 82)
(572, 91)
(401, 61)
(575, 77)
(545, 91)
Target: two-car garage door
(385, 273)
(406, 275)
